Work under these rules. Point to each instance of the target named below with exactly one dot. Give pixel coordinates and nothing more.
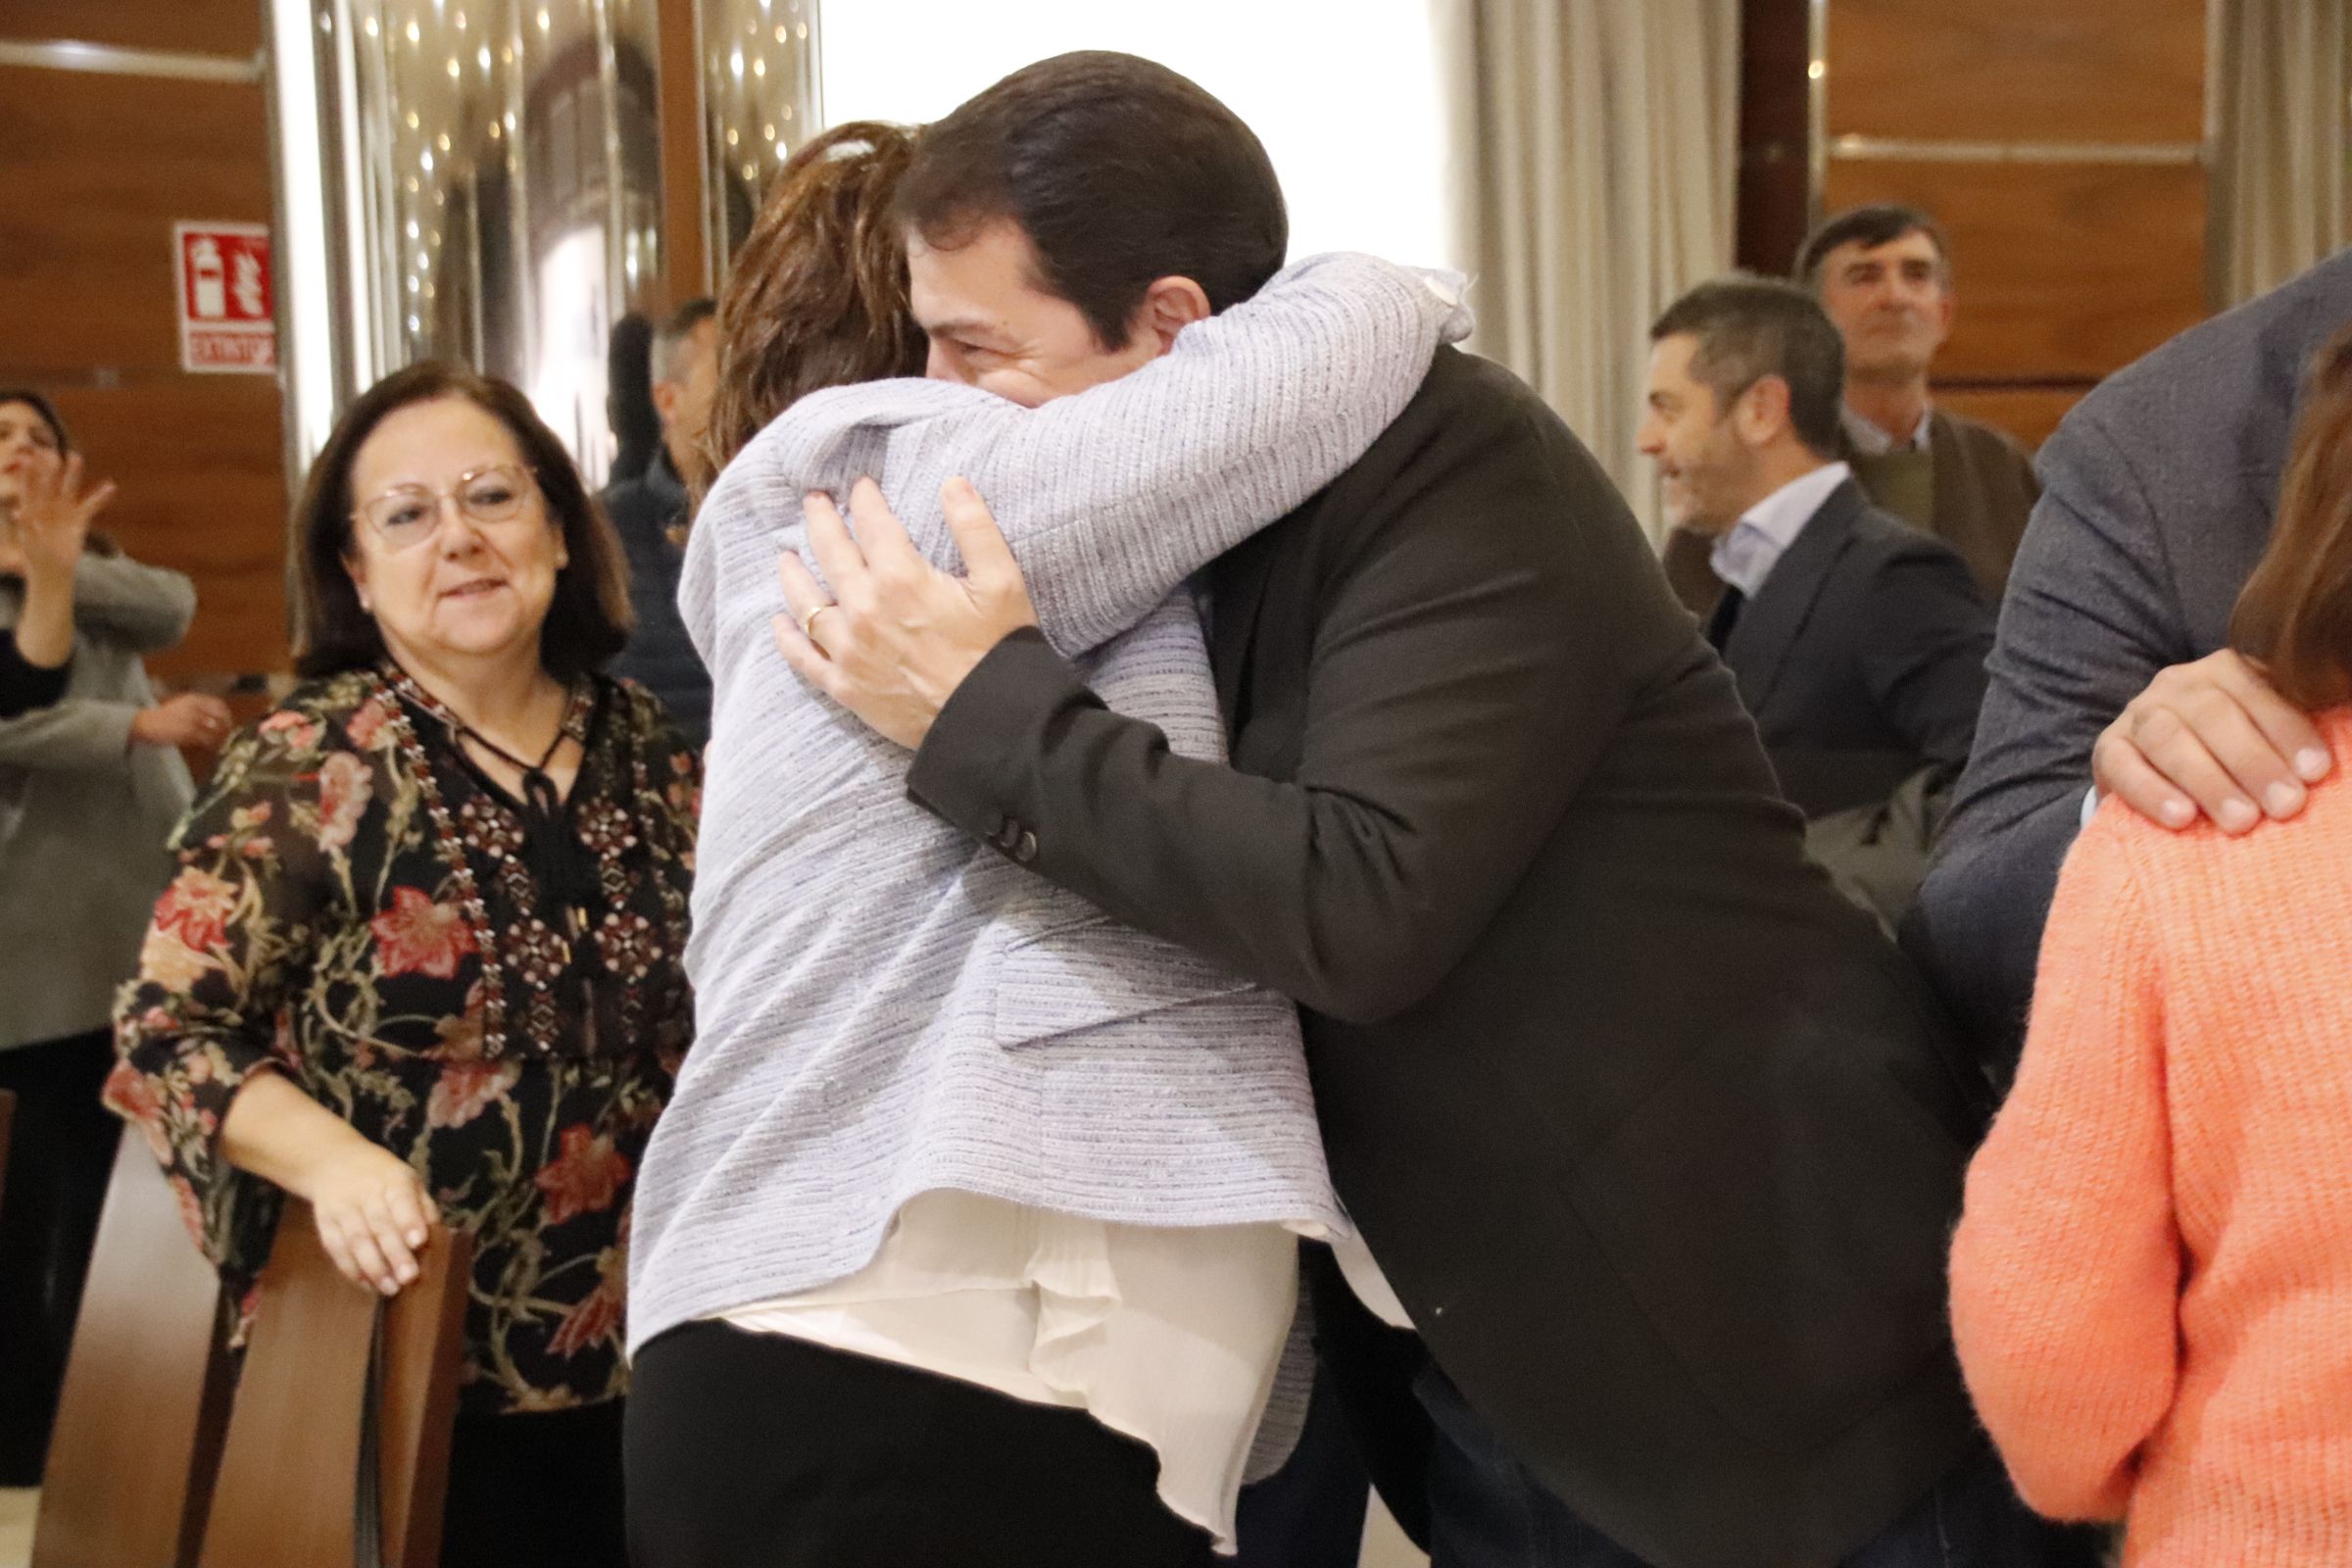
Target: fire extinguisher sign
(225, 320)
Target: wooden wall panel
(2029, 413)
(2057, 71)
(202, 26)
(1775, 133)
(2065, 272)
(203, 491)
(99, 167)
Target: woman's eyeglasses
(408, 514)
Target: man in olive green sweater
(1883, 274)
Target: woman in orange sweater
(2152, 1284)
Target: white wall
(1342, 92)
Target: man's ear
(1762, 411)
(1944, 310)
(1170, 305)
(666, 400)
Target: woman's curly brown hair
(818, 293)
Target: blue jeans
(1488, 1511)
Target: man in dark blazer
(1858, 643)
(1654, 1137)
(1884, 275)
(2110, 667)
(650, 513)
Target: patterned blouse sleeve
(263, 861)
(673, 770)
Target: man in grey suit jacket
(2109, 667)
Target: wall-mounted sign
(226, 321)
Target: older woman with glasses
(421, 955)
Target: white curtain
(1593, 165)
(2283, 178)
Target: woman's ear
(356, 570)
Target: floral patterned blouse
(355, 908)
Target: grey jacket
(2157, 494)
(83, 814)
(883, 1006)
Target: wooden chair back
(421, 1352)
(140, 1419)
(315, 1375)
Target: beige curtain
(1592, 161)
(2283, 175)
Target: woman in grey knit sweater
(941, 1114)
(90, 784)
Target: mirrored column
(761, 100)
(489, 192)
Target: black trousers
(61, 1149)
(760, 1451)
(1309, 1513)
(536, 1491)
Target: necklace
(556, 863)
(560, 868)
(536, 785)
(565, 875)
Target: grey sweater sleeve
(78, 735)
(1112, 497)
(148, 608)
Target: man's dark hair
(1119, 170)
(677, 329)
(1747, 328)
(1878, 223)
(587, 621)
(629, 397)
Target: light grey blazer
(83, 814)
(882, 1008)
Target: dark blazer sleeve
(2089, 619)
(25, 685)
(1476, 645)
(1923, 636)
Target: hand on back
(902, 635)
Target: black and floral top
(355, 907)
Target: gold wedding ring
(809, 622)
